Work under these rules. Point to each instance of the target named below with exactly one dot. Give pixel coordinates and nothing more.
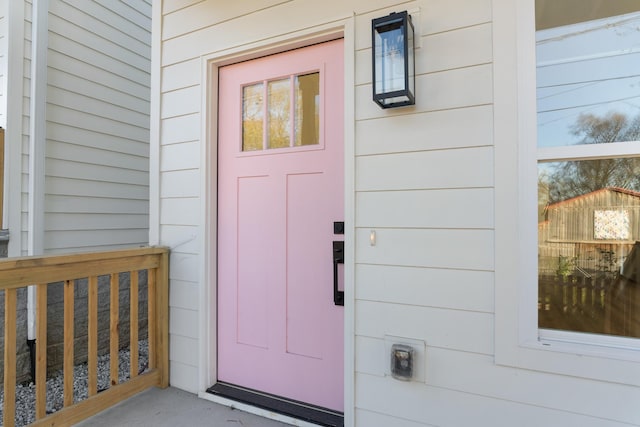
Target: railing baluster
(133, 324)
(69, 301)
(114, 335)
(151, 312)
(92, 345)
(9, 410)
(41, 351)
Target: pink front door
(280, 189)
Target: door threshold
(290, 408)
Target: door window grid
(281, 113)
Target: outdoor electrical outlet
(402, 359)
(405, 358)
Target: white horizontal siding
(180, 156)
(78, 63)
(94, 205)
(465, 208)
(169, 6)
(471, 373)
(108, 157)
(96, 17)
(463, 87)
(182, 238)
(96, 172)
(185, 324)
(183, 376)
(180, 129)
(426, 131)
(181, 102)
(463, 168)
(184, 267)
(60, 222)
(181, 75)
(97, 98)
(375, 320)
(108, 144)
(199, 15)
(82, 187)
(180, 183)
(78, 240)
(427, 287)
(434, 248)
(183, 349)
(443, 407)
(184, 294)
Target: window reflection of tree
(279, 134)
(306, 99)
(252, 117)
(307, 109)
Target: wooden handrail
(18, 273)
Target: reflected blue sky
(587, 68)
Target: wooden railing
(42, 271)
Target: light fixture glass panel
(390, 58)
(279, 113)
(253, 117)
(307, 109)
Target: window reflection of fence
(600, 305)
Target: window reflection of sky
(591, 67)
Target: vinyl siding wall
(97, 112)
(423, 181)
(24, 172)
(4, 47)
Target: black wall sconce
(392, 41)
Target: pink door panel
(280, 188)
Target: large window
(588, 138)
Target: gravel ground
(25, 393)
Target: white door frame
(210, 64)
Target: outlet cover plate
(419, 354)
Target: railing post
(162, 312)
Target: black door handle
(338, 258)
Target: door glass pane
(279, 113)
(587, 71)
(252, 117)
(588, 246)
(307, 98)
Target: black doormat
(291, 408)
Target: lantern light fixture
(392, 41)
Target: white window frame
(518, 341)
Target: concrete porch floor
(173, 407)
